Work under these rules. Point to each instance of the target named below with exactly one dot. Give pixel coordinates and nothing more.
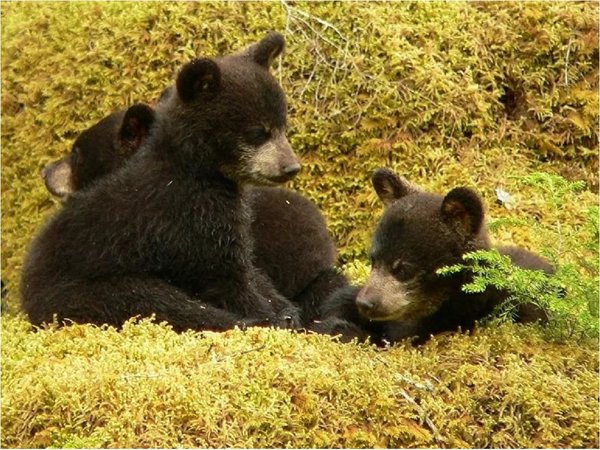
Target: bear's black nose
(291, 169)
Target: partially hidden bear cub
(419, 233)
(291, 242)
(168, 233)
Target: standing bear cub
(404, 296)
(168, 233)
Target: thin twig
(421, 411)
(310, 77)
(309, 16)
(314, 30)
(141, 375)
(293, 13)
(567, 63)
(243, 352)
(425, 386)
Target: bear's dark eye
(257, 135)
(402, 269)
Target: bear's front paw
(288, 318)
(344, 330)
(253, 322)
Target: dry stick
(310, 16)
(317, 49)
(294, 14)
(317, 94)
(310, 77)
(286, 32)
(298, 15)
(316, 64)
(427, 386)
(346, 52)
(421, 411)
(243, 352)
(130, 376)
(318, 59)
(363, 109)
(343, 76)
(567, 63)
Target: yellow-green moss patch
(150, 387)
(456, 93)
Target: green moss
(446, 94)
(150, 387)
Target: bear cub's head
(99, 150)
(229, 114)
(245, 125)
(419, 233)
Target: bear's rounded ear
(57, 177)
(389, 186)
(196, 77)
(266, 50)
(135, 127)
(463, 209)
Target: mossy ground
(147, 386)
(446, 94)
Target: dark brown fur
(419, 233)
(291, 242)
(168, 232)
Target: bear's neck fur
(192, 153)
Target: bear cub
(168, 232)
(292, 244)
(419, 233)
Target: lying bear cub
(168, 234)
(292, 244)
(404, 297)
